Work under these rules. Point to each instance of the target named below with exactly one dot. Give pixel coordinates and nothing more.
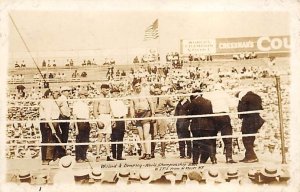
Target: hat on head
(55, 89)
(81, 174)
(270, 170)
(83, 92)
(66, 162)
(124, 173)
(115, 90)
(47, 93)
(232, 173)
(194, 175)
(96, 173)
(145, 176)
(213, 175)
(251, 173)
(104, 86)
(24, 174)
(65, 88)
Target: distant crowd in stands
(173, 58)
(244, 56)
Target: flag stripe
(152, 32)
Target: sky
(120, 34)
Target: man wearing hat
(65, 113)
(249, 101)
(119, 111)
(82, 128)
(182, 125)
(102, 112)
(202, 127)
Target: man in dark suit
(202, 127)
(249, 101)
(182, 125)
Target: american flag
(151, 32)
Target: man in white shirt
(49, 111)
(82, 128)
(65, 113)
(119, 111)
(221, 103)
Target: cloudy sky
(121, 33)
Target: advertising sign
(255, 44)
(202, 46)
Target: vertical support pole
(283, 157)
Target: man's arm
(95, 109)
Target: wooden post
(280, 120)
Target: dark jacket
(201, 106)
(251, 122)
(182, 110)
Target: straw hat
(195, 176)
(270, 170)
(24, 174)
(145, 176)
(251, 173)
(66, 162)
(96, 174)
(65, 88)
(232, 173)
(124, 173)
(81, 174)
(213, 175)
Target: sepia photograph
(105, 95)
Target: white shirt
(220, 101)
(118, 108)
(81, 110)
(49, 109)
(64, 106)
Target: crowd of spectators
(188, 78)
(244, 56)
(269, 174)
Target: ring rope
(128, 97)
(140, 141)
(144, 118)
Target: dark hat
(115, 90)
(47, 93)
(104, 86)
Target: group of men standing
(109, 112)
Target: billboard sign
(202, 46)
(256, 44)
